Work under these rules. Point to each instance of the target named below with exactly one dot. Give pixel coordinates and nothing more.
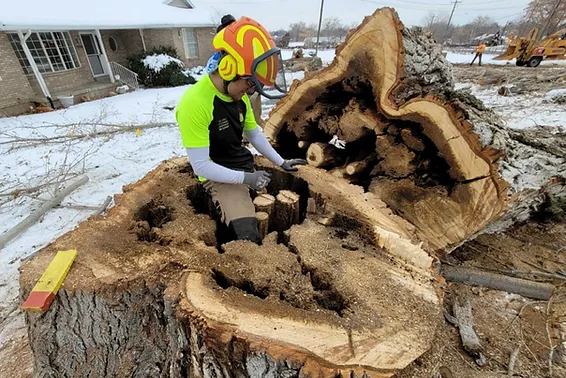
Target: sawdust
(505, 322)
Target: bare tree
(547, 15)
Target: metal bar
(34, 68)
(319, 25)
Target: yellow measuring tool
(47, 286)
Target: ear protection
(227, 67)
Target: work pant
(478, 55)
(235, 210)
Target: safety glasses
(279, 88)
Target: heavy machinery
(528, 51)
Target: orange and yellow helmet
(249, 51)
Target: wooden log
(357, 167)
(31, 219)
(263, 223)
(264, 203)
(286, 211)
(470, 340)
(472, 276)
(322, 155)
(303, 144)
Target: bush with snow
(160, 67)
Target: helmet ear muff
(227, 68)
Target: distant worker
(215, 113)
(479, 52)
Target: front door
(93, 53)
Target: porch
(96, 89)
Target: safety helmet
(248, 51)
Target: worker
(215, 113)
(479, 52)
(212, 65)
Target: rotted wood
(359, 166)
(303, 144)
(465, 322)
(323, 155)
(286, 211)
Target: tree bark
(263, 223)
(462, 171)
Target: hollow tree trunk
(446, 165)
(149, 293)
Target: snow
(556, 96)
(327, 55)
(110, 163)
(488, 59)
(521, 111)
(296, 44)
(157, 62)
(104, 14)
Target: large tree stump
(152, 294)
(467, 172)
(163, 302)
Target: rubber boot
(246, 229)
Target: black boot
(246, 229)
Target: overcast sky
(275, 14)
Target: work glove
(289, 165)
(257, 180)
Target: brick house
(66, 47)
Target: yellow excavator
(528, 51)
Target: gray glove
(289, 165)
(257, 180)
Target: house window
(51, 51)
(191, 43)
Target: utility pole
(558, 2)
(319, 25)
(456, 2)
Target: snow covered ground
(114, 160)
(488, 59)
(522, 111)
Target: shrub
(160, 67)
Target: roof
(102, 14)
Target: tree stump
(166, 300)
(168, 304)
(264, 203)
(468, 172)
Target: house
(67, 47)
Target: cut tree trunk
(161, 301)
(153, 294)
(263, 223)
(446, 165)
